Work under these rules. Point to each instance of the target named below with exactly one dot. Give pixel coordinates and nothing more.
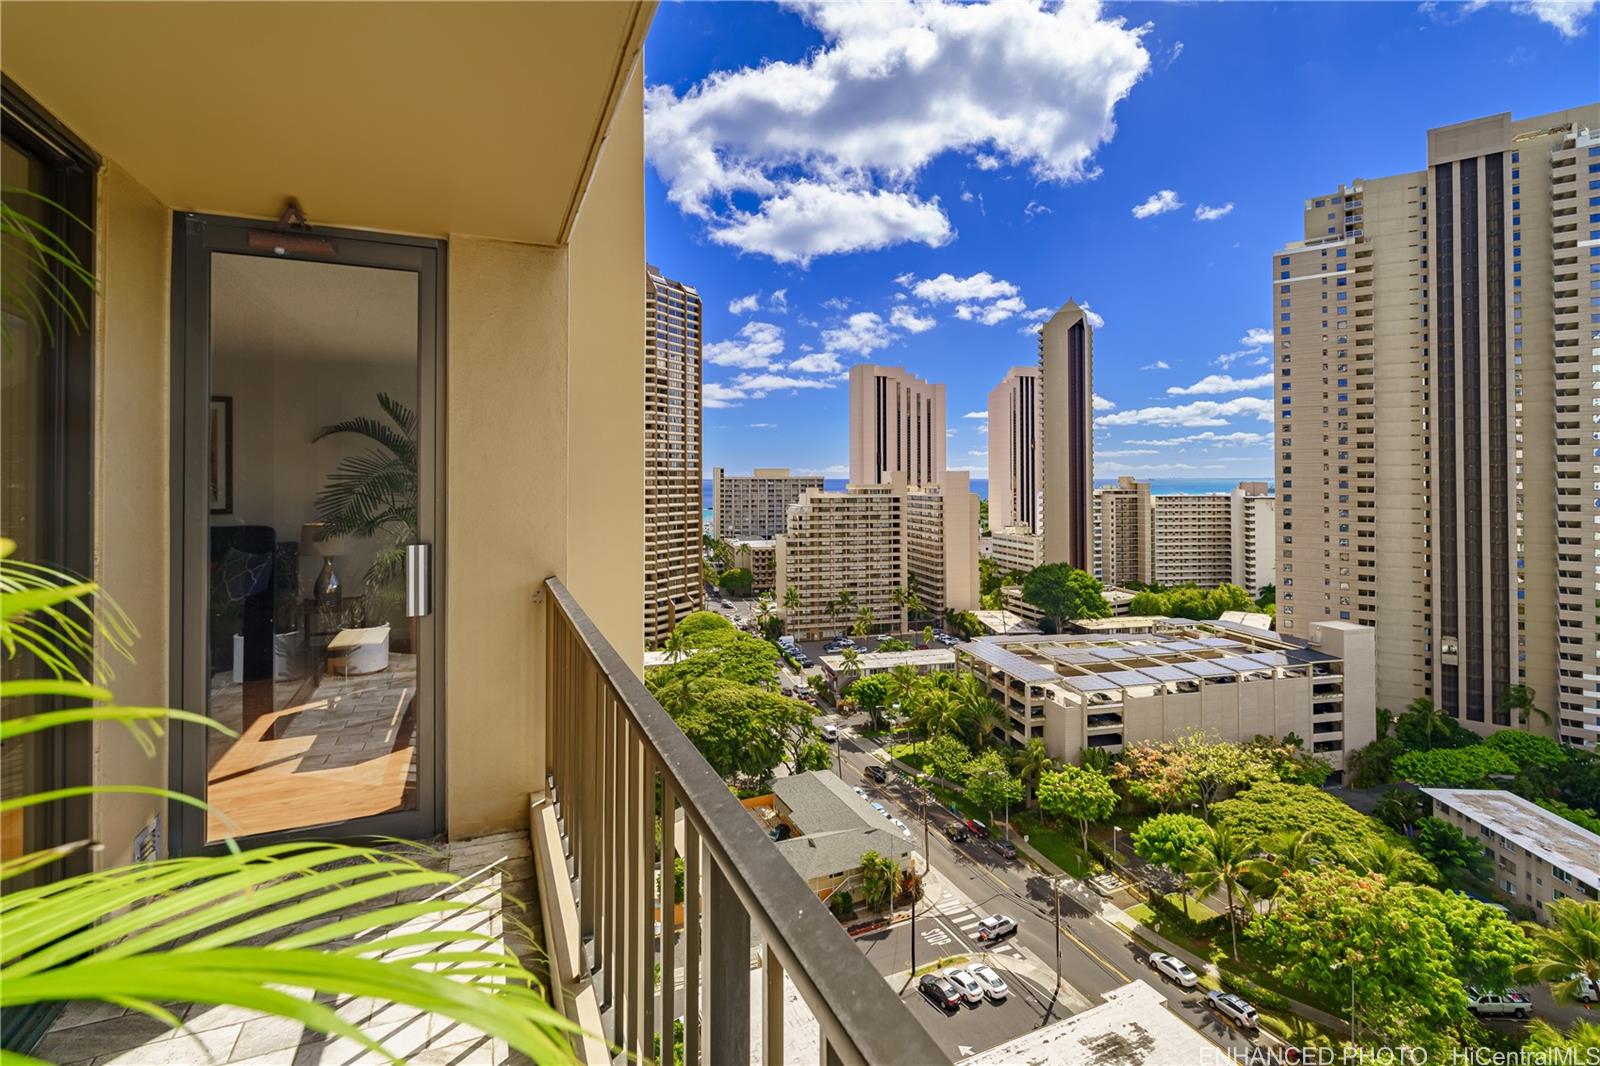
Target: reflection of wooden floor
(348, 751)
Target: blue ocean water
(1159, 486)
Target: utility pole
(1055, 884)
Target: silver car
(1235, 1009)
(965, 983)
(993, 986)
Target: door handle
(419, 580)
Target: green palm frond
(39, 267)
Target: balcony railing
(623, 776)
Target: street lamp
(1055, 885)
(1115, 829)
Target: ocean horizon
(1193, 486)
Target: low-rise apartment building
(1125, 680)
(1015, 549)
(757, 506)
(922, 660)
(1539, 857)
(760, 557)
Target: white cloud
(715, 394)
(1256, 338)
(863, 332)
(1035, 208)
(976, 414)
(983, 427)
(779, 301)
(1103, 404)
(947, 288)
(908, 320)
(1122, 453)
(763, 425)
(1213, 384)
(1038, 313)
(1199, 413)
(756, 347)
(744, 304)
(836, 470)
(758, 385)
(1177, 50)
(828, 148)
(1159, 364)
(991, 314)
(1094, 318)
(1158, 203)
(1208, 437)
(817, 363)
(1261, 360)
(1207, 213)
(1566, 16)
(1032, 327)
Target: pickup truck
(1498, 1004)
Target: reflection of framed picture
(219, 466)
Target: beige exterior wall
(1066, 376)
(852, 541)
(754, 506)
(1016, 548)
(760, 557)
(673, 526)
(1016, 429)
(1125, 534)
(132, 500)
(942, 544)
(1192, 539)
(1255, 536)
(897, 424)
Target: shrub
(1261, 997)
(841, 904)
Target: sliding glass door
(307, 388)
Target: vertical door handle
(419, 580)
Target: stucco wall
(505, 519)
(605, 473)
(131, 500)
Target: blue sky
(916, 186)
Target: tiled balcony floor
(101, 1034)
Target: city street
(1095, 957)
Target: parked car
(904, 830)
(977, 828)
(1234, 1009)
(1004, 848)
(881, 809)
(830, 732)
(993, 986)
(936, 989)
(878, 773)
(966, 984)
(956, 831)
(1498, 1004)
(996, 926)
(858, 790)
(1588, 991)
(1173, 969)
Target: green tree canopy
(879, 874)
(872, 694)
(1273, 807)
(1455, 767)
(1569, 945)
(1083, 795)
(732, 657)
(1449, 849)
(946, 756)
(1169, 840)
(990, 783)
(1063, 593)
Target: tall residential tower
(1436, 343)
(897, 424)
(672, 522)
(1066, 375)
(1016, 424)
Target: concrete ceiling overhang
(429, 118)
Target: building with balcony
(1458, 518)
(1125, 680)
(1538, 857)
(1124, 536)
(897, 424)
(673, 527)
(942, 544)
(760, 557)
(458, 275)
(1016, 430)
(1015, 549)
(757, 506)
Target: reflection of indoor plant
(373, 494)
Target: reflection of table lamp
(325, 591)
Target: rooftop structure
(1133, 1024)
(923, 660)
(1565, 857)
(1126, 680)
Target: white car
(858, 790)
(1173, 969)
(904, 831)
(830, 733)
(1235, 1009)
(1588, 991)
(993, 986)
(996, 926)
(967, 984)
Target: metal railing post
(729, 986)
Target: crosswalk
(966, 919)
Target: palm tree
(1378, 856)
(1280, 855)
(927, 635)
(1520, 699)
(373, 493)
(1431, 723)
(904, 685)
(764, 607)
(984, 720)
(1032, 762)
(1567, 947)
(879, 875)
(676, 645)
(1224, 859)
(852, 662)
(914, 605)
(863, 622)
